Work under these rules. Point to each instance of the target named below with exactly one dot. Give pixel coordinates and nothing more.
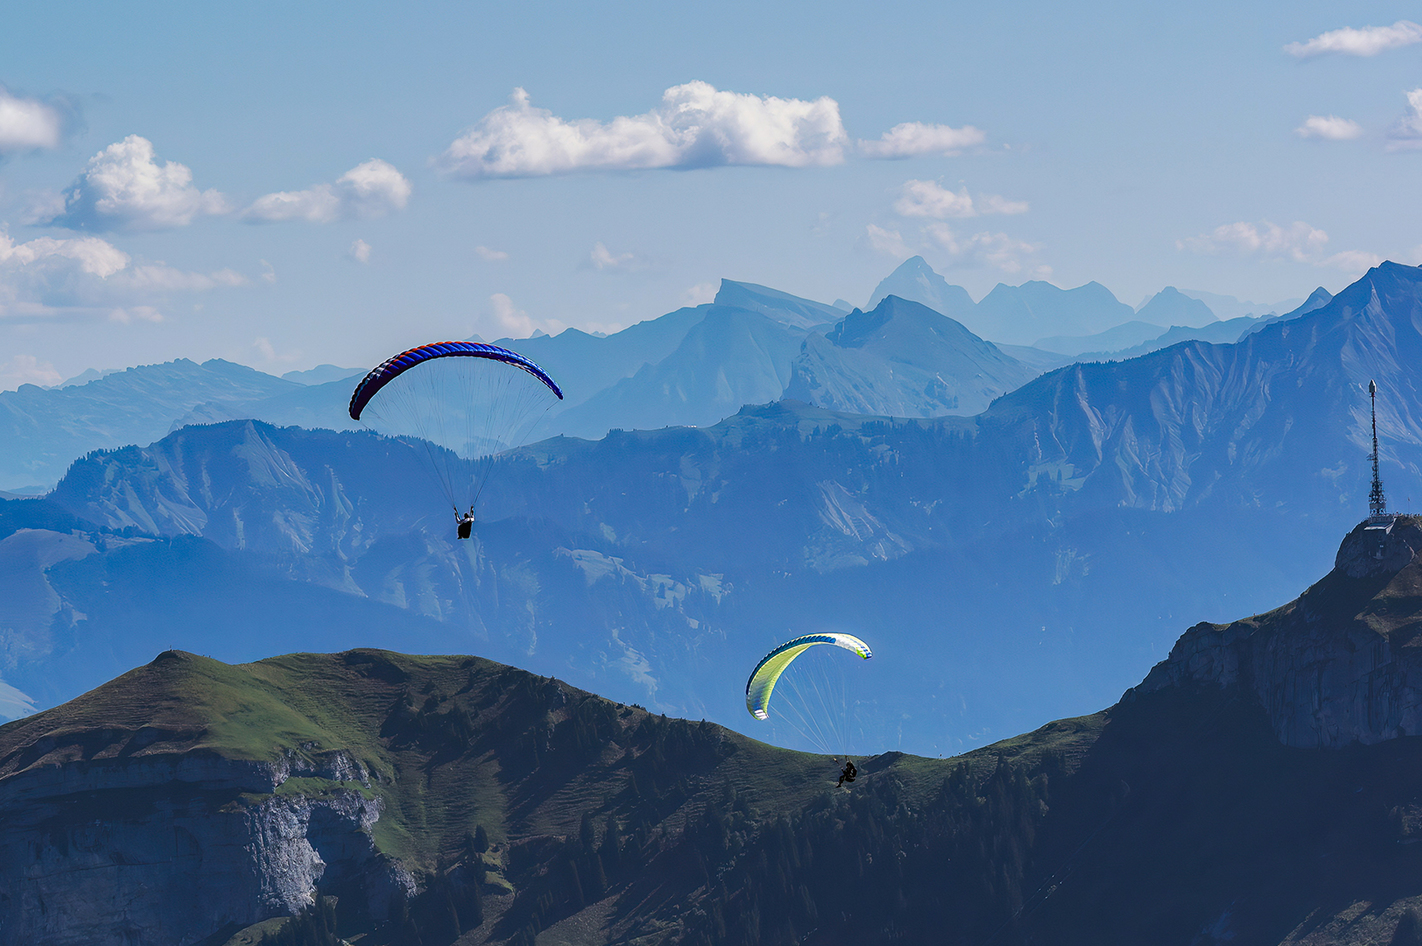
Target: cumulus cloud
(998, 250)
(124, 188)
(367, 190)
(912, 139)
(89, 254)
(1368, 41)
(160, 278)
(1356, 262)
(490, 255)
(605, 259)
(930, 199)
(888, 242)
(27, 369)
(90, 277)
(1407, 133)
(511, 320)
(264, 347)
(1330, 127)
(28, 124)
(1299, 241)
(699, 294)
(360, 252)
(695, 125)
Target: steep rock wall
(1339, 665)
(85, 844)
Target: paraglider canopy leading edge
(394, 367)
(762, 680)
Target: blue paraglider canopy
(394, 367)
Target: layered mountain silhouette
(1011, 315)
(47, 429)
(1259, 786)
(1172, 307)
(653, 564)
(902, 359)
(916, 281)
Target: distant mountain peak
(1170, 306)
(916, 281)
(791, 310)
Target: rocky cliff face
(1341, 664)
(88, 844)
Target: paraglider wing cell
(767, 672)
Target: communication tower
(1377, 502)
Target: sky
(285, 187)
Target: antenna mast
(1377, 504)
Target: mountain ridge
(459, 801)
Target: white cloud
(605, 259)
(360, 252)
(88, 277)
(130, 314)
(27, 369)
(912, 139)
(367, 190)
(699, 294)
(1368, 41)
(158, 278)
(269, 353)
(1407, 133)
(888, 242)
(1329, 126)
(28, 124)
(124, 188)
(92, 255)
(511, 320)
(1299, 241)
(490, 255)
(998, 250)
(929, 199)
(694, 126)
(1355, 262)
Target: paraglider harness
(466, 522)
(849, 774)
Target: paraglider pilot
(466, 522)
(849, 773)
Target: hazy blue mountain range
(1172, 307)
(995, 562)
(1230, 307)
(902, 359)
(653, 374)
(1106, 346)
(730, 358)
(693, 367)
(322, 374)
(781, 306)
(916, 281)
(1012, 315)
(1125, 335)
(1022, 314)
(45, 430)
(1259, 786)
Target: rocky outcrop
(1337, 666)
(87, 844)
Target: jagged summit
(1339, 664)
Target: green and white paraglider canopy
(762, 680)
